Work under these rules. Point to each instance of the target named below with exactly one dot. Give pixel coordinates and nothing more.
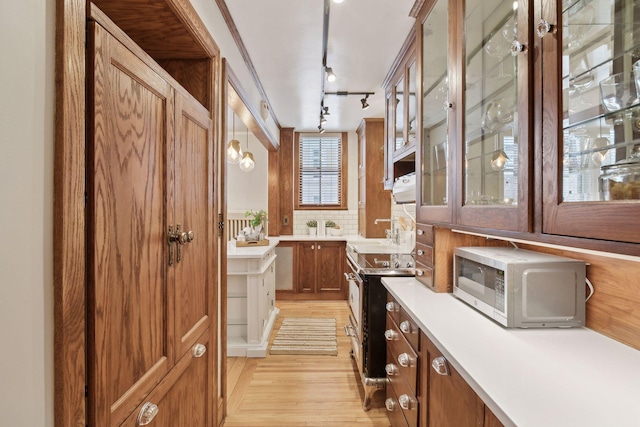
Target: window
(321, 172)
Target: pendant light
(499, 160)
(247, 163)
(234, 150)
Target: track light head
(322, 119)
(326, 111)
(320, 129)
(331, 77)
(365, 105)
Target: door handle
(181, 238)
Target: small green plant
(257, 218)
(330, 224)
(312, 223)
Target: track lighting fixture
(331, 77)
(365, 105)
(326, 111)
(320, 129)
(322, 119)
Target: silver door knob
(390, 335)
(405, 402)
(147, 413)
(439, 364)
(199, 350)
(390, 405)
(391, 369)
(405, 327)
(405, 360)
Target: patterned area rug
(299, 335)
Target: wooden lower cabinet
(320, 271)
(447, 400)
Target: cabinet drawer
(424, 254)
(403, 355)
(394, 412)
(424, 274)
(409, 329)
(405, 397)
(424, 234)
(393, 308)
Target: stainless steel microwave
(519, 288)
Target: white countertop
(250, 251)
(530, 377)
(306, 237)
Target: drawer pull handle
(405, 402)
(405, 327)
(390, 405)
(420, 232)
(439, 364)
(391, 307)
(405, 360)
(147, 413)
(419, 273)
(390, 335)
(199, 350)
(391, 369)
(420, 252)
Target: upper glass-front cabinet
(592, 149)
(495, 146)
(434, 160)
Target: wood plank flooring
(297, 391)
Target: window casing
(321, 171)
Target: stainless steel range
(367, 299)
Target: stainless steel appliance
(367, 300)
(520, 288)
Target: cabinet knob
(420, 232)
(391, 307)
(405, 360)
(447, 105)
(439, 364)
(545, 28)
(517, 47)
(391, 369)
(405, 327)
(390, 335)
(147, 413)
(390, 405)
(419, 272)
(199, 350)
(420, 252)
(405, 402)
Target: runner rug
(299, 335)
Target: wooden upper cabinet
(374, 201)
(591, 111)
(401, 120)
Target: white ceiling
(284, 41)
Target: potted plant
(257, 221)
(312, 224)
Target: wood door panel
(306, 267)
(128, 335)
(330, 258)
(192, 211)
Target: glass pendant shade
(234, 152)
(498, 160)
(247, 163)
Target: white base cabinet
(251, 291)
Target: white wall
(27, 36)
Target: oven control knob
(391, 307)
(405, 402)
(405, 327)
(405, 360)
(390, 335)
(391, 369)
(390, 405)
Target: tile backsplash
(347, 220)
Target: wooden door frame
(69, 274)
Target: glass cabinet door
(400, 115)
(434, 147)
(594, 148)
(495, 146)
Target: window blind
(320, 159)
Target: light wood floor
(291, 390)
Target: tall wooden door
(150, 301)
